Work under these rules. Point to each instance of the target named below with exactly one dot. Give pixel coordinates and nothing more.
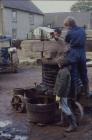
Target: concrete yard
(15, 126)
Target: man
(57, 51)
(76, 39)
(56, 46)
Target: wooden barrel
(41, 113)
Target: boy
(62, 90)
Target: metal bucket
(18, 91)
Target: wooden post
(42, 39)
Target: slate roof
(57, 19)
(23, 5)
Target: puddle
(5, 123)
(6, 135)
(20, 137)
(9, 136)
(6, 131)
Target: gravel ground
(17, 127)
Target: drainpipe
(1, 11)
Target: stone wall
(31, 49)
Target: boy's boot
(72, 124)
(63, 121)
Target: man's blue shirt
(76, 37)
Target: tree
(82, 5)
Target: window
(14, 33)
(31, 19)
(14, 16)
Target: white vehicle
(38, 32)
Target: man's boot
(86, 89)
(72, 124)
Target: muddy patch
(5, 123)
(7, 132)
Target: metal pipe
(1, 11)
